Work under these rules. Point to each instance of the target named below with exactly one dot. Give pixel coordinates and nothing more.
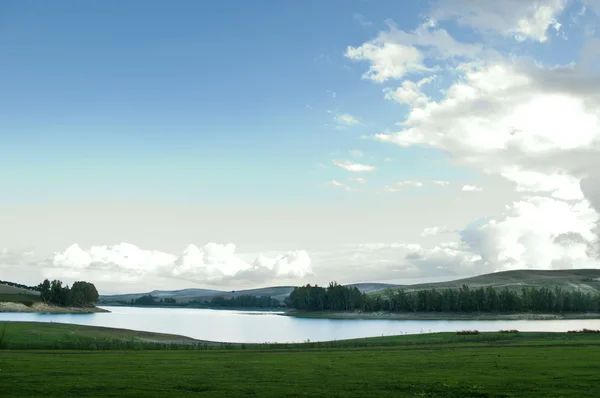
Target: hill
(9, 289)
(187, 295)
(587, 280)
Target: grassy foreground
(431, 365)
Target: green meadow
(103, 362)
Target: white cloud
(345, 120)
(358, 180)
(559, 184)
(538, 232)
(433, 231)
(388, 60)
(441, 183)
(409, 92)
(387, 159)
(356, 153)
(398, 186)
(395, 53)
(331, 93)
(534, 125)
(521, 19)
(471, 188)
(353, 167)
(338, 184)
(212, 264)
(384, 261)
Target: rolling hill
(587, 280)
(7, 289)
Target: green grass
(39, 335)
(428, 365)
(27, 299)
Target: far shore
(438, 316)
(43, 308)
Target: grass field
(431, 365)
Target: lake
(261, 327)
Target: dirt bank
(47, 309)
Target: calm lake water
(261, 327)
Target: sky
(229, 144)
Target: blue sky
(203, 100)
(221, 143)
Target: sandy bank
(47, 309)
(437, 316)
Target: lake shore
(438, 316)
(44, 308)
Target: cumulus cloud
(535, 125)
(212, 264)
(521, 19)
(471, 188)
(345, 120)
(353, 167)
(537, 232)
(409, 92)
(395, 53)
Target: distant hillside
(187, 295)
(7, 289)
(374, 287)
(587, 280)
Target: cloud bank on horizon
(516, 100)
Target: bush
(509, 331)
(467, 332)
(584, 331)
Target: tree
(81, 294)
(84, 294)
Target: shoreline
(439, 316)
(42, 308)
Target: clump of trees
(245, 301)
(151, 300)
(344, 298)
(80, 294)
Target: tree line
(19, 285)
(80, 294)
(245, 301)
(336, 297)
(151, 300)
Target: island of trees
(336, 297)
(80, 294)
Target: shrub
(467, 332)
(509, 331)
